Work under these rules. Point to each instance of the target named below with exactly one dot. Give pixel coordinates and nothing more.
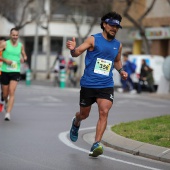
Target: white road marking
(63, 138)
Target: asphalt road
(36, 138)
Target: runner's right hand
(71, 44)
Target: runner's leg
(12, 88)
(83, 114)
(5, 92)
(104, 106)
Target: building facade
(156, 24)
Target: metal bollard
(62, 78)
(28, 77)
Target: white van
(154, 61)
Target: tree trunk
(48, 51)
(35, 53)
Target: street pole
(35, 53)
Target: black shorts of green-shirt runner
(6, 77)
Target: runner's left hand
(124, 75)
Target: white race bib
(102, 66)
(13, 66)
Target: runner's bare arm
(2, 47)
(118, 64)
(23, 53)
(87, 44)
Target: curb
(121, 143)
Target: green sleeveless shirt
(12, 53)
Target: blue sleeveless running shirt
(99, 63)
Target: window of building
(56, 44)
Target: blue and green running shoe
(74, 131)
(96, 150)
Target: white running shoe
(7, 117)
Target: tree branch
(23, 14)
(91, 26)
(147, 11)
(23, 25)
(125, 13)
(77, 25)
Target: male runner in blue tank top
(103, 54)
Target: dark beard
(109, 37)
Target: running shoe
(74, 131)
(96, 150)
(7, 117)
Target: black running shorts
(7, 77)
(88, 96)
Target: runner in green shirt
(11, 57)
